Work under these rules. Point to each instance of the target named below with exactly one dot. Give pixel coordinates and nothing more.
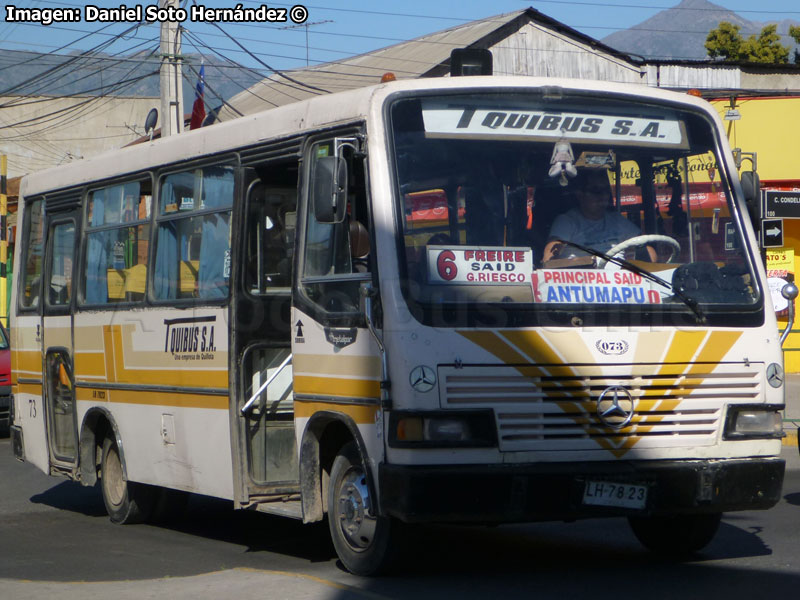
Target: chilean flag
(199, 108)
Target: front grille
(555, 408)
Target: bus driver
(594, 223)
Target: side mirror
(751, 186)
(330, 189)
(790, 292)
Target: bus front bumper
(556, 491)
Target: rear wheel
(126, 501)
(364, 541)
(675, 535)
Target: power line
(196, 40)
(64, 47)
(44, 118)
(66, 63)
(261, 62)
(211, 89)
(21, 101)
(283, 84)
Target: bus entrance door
(265, 406)
(57, 340)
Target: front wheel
(126, 501)
(363, 540)
(675, 535)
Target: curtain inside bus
(193, 254)
(214, 272)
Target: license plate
(608, 493)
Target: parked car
(5, 381)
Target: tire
(126, 502)
(675, 535)
(365, 543)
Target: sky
(335, 29)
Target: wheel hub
(115, 485)
(358, 526)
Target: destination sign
(782, 205)
(573, 286)
(479, 265)
(448, 121)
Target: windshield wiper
(625, 264)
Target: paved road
(56, 542)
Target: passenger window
(118, 242)
(193, 251)
(33, 244)
(62, 238)
(271, 224)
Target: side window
(59, 288)
(270, 229)
(118, 241)
(336, 255)
(33, 243)
(193, 249)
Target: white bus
(391, 306)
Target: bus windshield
(522, 200)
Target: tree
(726, 42)
(794, 32)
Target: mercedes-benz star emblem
(422, 378)
(615, 406)
(775, 375)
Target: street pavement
(241, 583)
(247, 583)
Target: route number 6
(446, 265)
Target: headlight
(757, 421)
(442, 429)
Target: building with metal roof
(524, 42)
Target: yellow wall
(771, 128)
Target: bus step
(290, 508)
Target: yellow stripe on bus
(29, 388)
(683, 347)
(718, 345)
(29, 361)
(181, 376)
(90, 364)
(367, 367)
(491, 342)
(108, 342)
(329, 386)
(151, 398)
(362, 415)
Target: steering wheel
(642, 240)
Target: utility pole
(171, 76)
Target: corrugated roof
(425, 56)
(407, 60)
